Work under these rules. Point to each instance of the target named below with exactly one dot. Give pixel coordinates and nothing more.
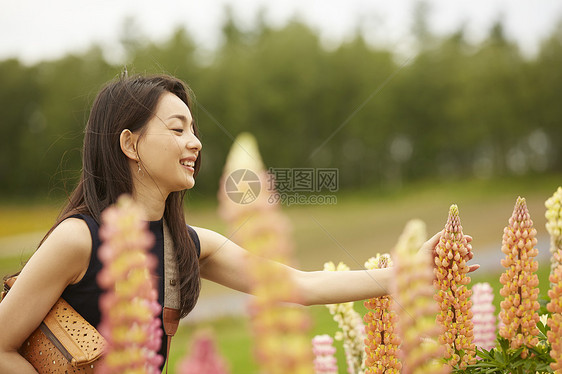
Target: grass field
(361, 224)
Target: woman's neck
(152, 203)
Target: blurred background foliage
(451, 109)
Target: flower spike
(520, 283)
(483, 316)
(352, 330)
(554, 227)
(453, 295)
(281, 344)
(420, 352)
(204, 357)
(382, 342)
(324, 361)
(129, 305)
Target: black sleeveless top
(84, 295)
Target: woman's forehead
(171, 106)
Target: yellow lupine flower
(281, 344)
(554, 227)
(420, 352)
(352, 330)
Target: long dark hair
(129, 103)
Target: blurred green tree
(451, 108)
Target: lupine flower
(483, 316)
(453, 295)
(555, 320)
(381, 343)
(352, 330)
(420, 352)
(203, 357)
(324, 360)
(129, 305)
(554, 227)
(280, 341)
(520, 283)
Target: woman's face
(168, 148)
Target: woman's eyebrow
(181, 117)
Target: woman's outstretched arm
(226, 263)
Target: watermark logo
(287, 186)
(243, 186)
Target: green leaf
(482, 353)
(499, 357)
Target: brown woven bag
(64, 342)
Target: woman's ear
(128, 142)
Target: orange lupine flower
(381, 343)
(453, 295)
(520, 283)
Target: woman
(141, 139)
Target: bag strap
(171, 310)
(8, 283)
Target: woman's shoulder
(202, 233)
(209, 240)
(70, 240)
(72, 232)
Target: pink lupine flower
(554, 227)
(281, 344)
(203, 357)
(324, 360)
(483, 316)
(420, 352)
(520, 283)
(381, 343)
(453, 296)
(352, 330)
(129, 305)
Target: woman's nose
(194, 143)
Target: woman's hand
(471, 268)
(430, 247)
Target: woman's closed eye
(178, 130)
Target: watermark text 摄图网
(301, 186)
(289, 180)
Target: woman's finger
(432, 242)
